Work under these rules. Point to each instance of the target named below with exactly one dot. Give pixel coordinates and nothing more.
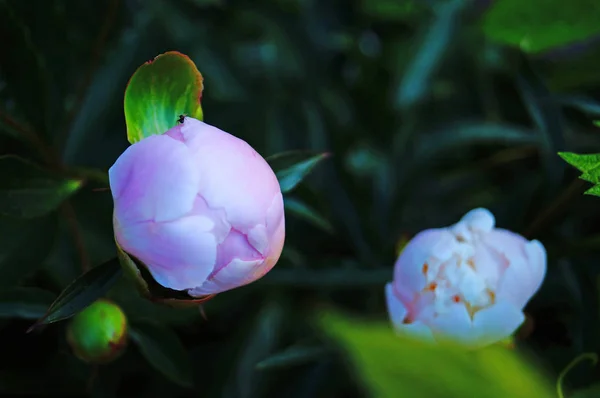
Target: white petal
(480, 219)
(454, 324)
(416, 330)
(496, 322)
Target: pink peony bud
(468, 282)
(199, 207)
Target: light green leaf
(24, 302)
(589, 165)
(540, 25)
(82, 292)
(392, 366)
(159, 92)
(293, 166)
(28, 191)
(164, 351)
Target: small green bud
(98, 334)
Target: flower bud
(200, 209)
(98, 334)
(468, 282)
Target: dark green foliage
(424, 116)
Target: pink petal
(236, 273)
(396, 310)
(154, 179)
(179, 254)
(235, 177)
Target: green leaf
(303, 211)
(589, 165)
(82, 292)
(540, 25)
(164, 351)
(393, 366)
(417, 79)
(292, 356)
(25, 302)
(28, 191)
(293, 166)
(158, 92)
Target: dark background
(425, 116)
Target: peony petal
(154, 179)
(251, 183)
(454, 324)
(536, 254)
(416, 330)
(496, 322)
(179, 254)
(236, 273)
(396, 310)
(410, 270)
(480, 219)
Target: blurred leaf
(25, 246)
(416, 81)
(393, 366)
(539, 25)
(260, 341)
(463, 134)
(82, 292)
(164, 351)
(582, 103)
(589, 165)
(28, 191)
(548, 119)
(303, 211)
(293, 166)
(292, 356)
(393, 10)
(159, 92)
(25, 302)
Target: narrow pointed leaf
(164, 351)
(82, 292)
(303, 211)
(28, 191)
(25, 302)
(158, 92)
(292, 167)
(291, 357)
